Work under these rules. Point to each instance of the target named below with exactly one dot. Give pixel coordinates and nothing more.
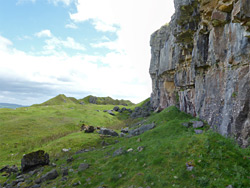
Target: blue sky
(77, 47)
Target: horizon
(77, 48)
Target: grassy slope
(218, 162)
(27, 129)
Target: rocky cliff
(201, 63)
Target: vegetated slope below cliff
(201, 63)
(167, 151)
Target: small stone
(103, 143)
(77, 183)
(198, 124)
(65, 171)
(125, 130)
(138, 140)
(185, 124)
(198, 131)
(64, 178)
(140, 148)
(35, 186)
(53, 174)
(66, 150)
(83, 166)
(229, 186)
(130, 150)
(122, 135)
(69, 160)
(120, 151)
(53, 165)
(175, 177)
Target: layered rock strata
(201, 64)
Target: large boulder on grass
(33, 160)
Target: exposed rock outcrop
(201, 63)
(33, 160)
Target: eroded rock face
(201, 63)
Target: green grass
(217, 161)
(26, 129)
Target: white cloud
(102, 26)
(43, 33)
(25, 1)
(66, 2)
(71, 26)
(75, 75)
(4, 43)
(57, 44)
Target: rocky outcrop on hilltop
(201, 63)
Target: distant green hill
(62, 99)
(105, 100)
(8, 105)
(59, 100)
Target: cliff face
(201, 63)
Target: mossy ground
(217, 161)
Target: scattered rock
(229, 186)
(125, 130)
(77, 183)
(69, 160)
(53, 165)
(109, 132)
(87, 129)
(9, 170)
(143, 111)
(15, 182)
(65, 171)
(186, 124)
(35, 186)
(198, 131)
(103, 143)
(198, 124)
(66, 150)
(48, 176)
(116, 108)
(130, 150)
(120, 151)
(83, 166)
(141, 129)
(138, 140)
(140, 148)
(34, 159)
(189, 166)
(64, 178)
(110, 112)
(122, 135)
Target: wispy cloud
(19, 2)
(65, 2)
(71, 26)
(57, 44)
(44, 33)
